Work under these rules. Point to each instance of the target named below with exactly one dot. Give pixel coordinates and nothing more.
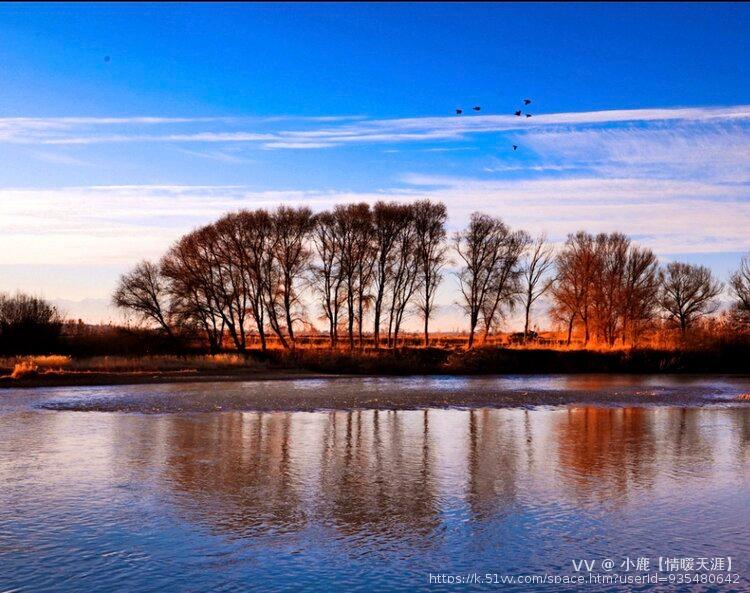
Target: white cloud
(57, 158)
(120, 224)
(340, 130)
(222, 156)
(686, 151)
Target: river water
(367, 499)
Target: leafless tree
(28, 324)
(611, 255)
(505, 287)
(607, 284)
(288, 259)
(241, 239)
(327, 273)
(257, 238)
(390, 221)
(688, 292)
(365, 266)
(429, 224)
(233, 275)
(190, 273)
(573, 290)
(740, 285)
(353, 232)
(490, 253)
(641, 288)
(405, 281)
(536, 275)
(143, 291)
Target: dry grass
(54, 361)
(208, 362)
(27, 366)
(24, 369)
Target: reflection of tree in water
(686, 448)
(741, 419)
(376, 476)
(492, 463)
(233, 472)
(605, 453)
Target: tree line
(28, 324)
(366, 268)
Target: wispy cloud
(341, 130)
(57, 158)
(222, 156)
(120, 224)
(677, 179)
(706, 151)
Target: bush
(28, 325)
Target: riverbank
(96, 378)
(52, 371)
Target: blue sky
(641, 123)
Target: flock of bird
(459, 111)
(517, 113)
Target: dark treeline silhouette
(256, 275)
(28, 324)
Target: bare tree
(353, 228)
(241, 239)
(143, 291)
(405, 279)
(256, 234)
(688, 292)
(607, 284)
(327, 273)
(390, 221)
(233, 275)
(536, 276)
(505, 287)
(641, 288)
(28, 324)
(365, 265)
(189, 270)
(290, 258)
(611, 255)
(429, 223)
(573, 290)
(489, 252)
(740, 284)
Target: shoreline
(56, 370)
(190, 376)
(104, 379)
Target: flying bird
(518, 113)
(106, 58)
(528, 115)
(515, 147)
(477, 108)
(459, 111)
(526, 101)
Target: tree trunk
(288, 314)
(570, 329)
(526, 323)
(472, 327)
(262, 335)
(376, 328)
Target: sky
(123, 126)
